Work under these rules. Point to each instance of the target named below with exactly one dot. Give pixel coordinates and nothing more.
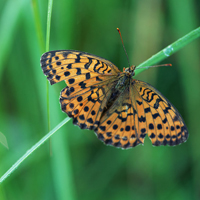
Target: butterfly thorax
(124, 78)
(122, 83)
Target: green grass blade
(49, 13)
(38, 25)
(169, 50)
(60, 162)
(8, 26)
(33, 148)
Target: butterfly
(121, 110)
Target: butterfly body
(121, 110)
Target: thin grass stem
(49, 13)
(169, 50)
(33, 148)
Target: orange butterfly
(121, 110)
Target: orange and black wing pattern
(138, 111)
(90, 80)
(159, 118)
(118, 124)
(74, 66)
(120, 109)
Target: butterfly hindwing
(85, 105)
(138, 111)
(164, 124)
(117, 125)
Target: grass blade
(33, 148)
(169, 50)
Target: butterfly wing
(90, 80)
(74, 66)
(164, 124)
(138, 111)
(117, 124)
(85, 105)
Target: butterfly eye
(127, 69)
(130, 70)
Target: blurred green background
(81, 166)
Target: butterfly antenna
(123, 46)
(147, 67)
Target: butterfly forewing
(121, 110)
(74, 66)
(90, 80)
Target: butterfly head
(130, 70)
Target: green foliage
(82, 167)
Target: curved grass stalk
(169, 50)
(33, 148)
